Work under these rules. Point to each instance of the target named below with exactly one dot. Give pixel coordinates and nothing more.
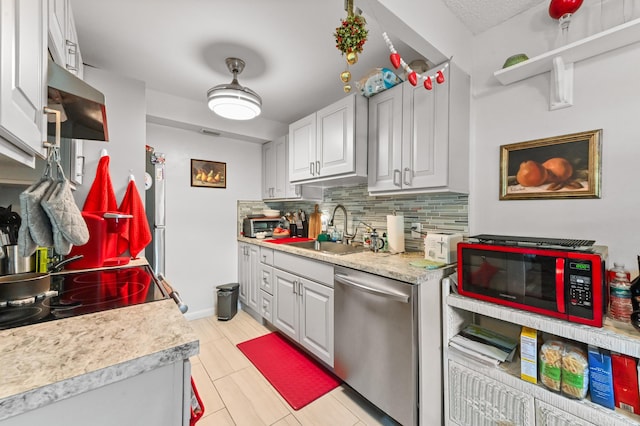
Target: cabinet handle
(318, 168)
(396, 174)
(72, 49)
(300, 287)
(407, 182)
(295, 283)
(81, 173)
(264, 258)
(311, 169)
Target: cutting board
(315, 223)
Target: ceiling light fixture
(232, 100)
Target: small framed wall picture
(565, 166)
(208, 174)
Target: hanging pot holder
(66, 219)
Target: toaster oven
(251, 226)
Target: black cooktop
(81, 293)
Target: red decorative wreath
(351, 35)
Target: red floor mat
(298, 378)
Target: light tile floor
(234, 392)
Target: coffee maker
(101, 250)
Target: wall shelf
(613, 38)
(608, 337)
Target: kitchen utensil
(315, 223)
(15, 263)
(66, 220)
(24, 285)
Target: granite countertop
(50, 361)
(395, 266)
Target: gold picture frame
(208, 174)
(565, 166)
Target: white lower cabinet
(303, 310)
(159, 397)
(248, 274)
(475, 399)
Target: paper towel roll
(395, 233)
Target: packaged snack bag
(551, 364)
(625, 382)
(575, 372)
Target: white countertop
(54, 360)
(395, 266)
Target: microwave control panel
(580, 288)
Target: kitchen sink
(327, 247)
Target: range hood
(82, 110)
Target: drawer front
(313, 269)
(475, 399)
(266, 256)
(266, 279)
(548, 415)
(266, 303)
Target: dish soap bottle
(620, 307)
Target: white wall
(126, 108)
(201, 247)
(606, 96)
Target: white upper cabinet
(330, 143)
(419, 139)
(275, 174)
(274, 169)
(63, 38)
(23, 76)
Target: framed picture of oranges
(557, 167)
(208, 174)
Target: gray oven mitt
(67, 222)
(36, 226)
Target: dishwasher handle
(344, 279)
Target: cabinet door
(253, 285)
(58, 30)
(73, 58)
(425, 136)
(285, 303)
(548, 415)
(302, 149)
(478, 399)
(266, 306)
(385, 140)
(243, 271)
(316, 319)
(268, 170)
(281, 175)
(23, 78)
(335, 147)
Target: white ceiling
(179, 47)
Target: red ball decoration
(559, 8)
(413, 78)
(428, 84)
(440, 77)
(395, 60)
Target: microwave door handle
(560, 287)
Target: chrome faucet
(346, 237)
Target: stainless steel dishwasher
(376, 340)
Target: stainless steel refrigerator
(155, 208)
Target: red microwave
(558, 282)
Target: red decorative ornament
(559, 8)
(395, 60)
(440, 77)
(413, 78)
(428, 84)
